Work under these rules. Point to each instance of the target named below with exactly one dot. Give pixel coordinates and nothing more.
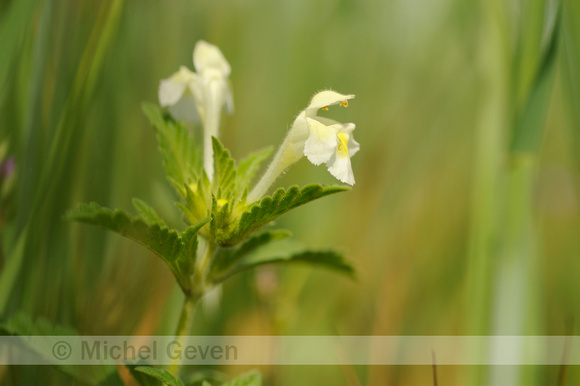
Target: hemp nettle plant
(224, 210)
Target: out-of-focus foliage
(430, 78)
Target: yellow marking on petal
(344, 103)
(221, 202)
(325, 108)
(342, 148)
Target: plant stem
(285, 157)
(214, 101)
(184, 327)
(185, 323)
(274, 170)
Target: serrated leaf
(23, 324)
(248, 167)
(252, 379)
(163, 242)
(194, 375)
(147, 213)
(291, 252)
(196, 207)
(181, 157)
(142, 378)
(185, 262)
(161, 375)
(187, 213)
(225, 171)
(178, 251)
(225, 258)
(269, 208)
(221, 224)
(33, 333)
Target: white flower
(211, 87)
(329, 141)
(176, 93)
(201, 94)
(319, 139)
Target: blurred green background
(463, 221)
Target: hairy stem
(184, 328)
(286, 156)
(185, 323)
(214, 101)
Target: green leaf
(161, 375)
(195, 375)
(225, 258)
(181, 157)
(178, 251)
(185, 261)
(147, 213)
(248, 167)
(222, 224)
(252, 379)
(281, 202)
(33, 333)
(289, 251)
(225, 171)
(23, 324)
(162, 241)
(196, 200)
(142, 378)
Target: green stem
(185, 323)
(285, 157)
(201, 268)
(184, 328)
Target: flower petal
(353, 146)
(341, 168)
(185, 110)
(321, 143)
(172, 88)
(326, 121)
(297, 137)
(326, 98)
(197, 89)
(206, 57)
(347, 127)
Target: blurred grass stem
(489, 156)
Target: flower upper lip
(209, 58)
(324, 99)
(329, 141)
